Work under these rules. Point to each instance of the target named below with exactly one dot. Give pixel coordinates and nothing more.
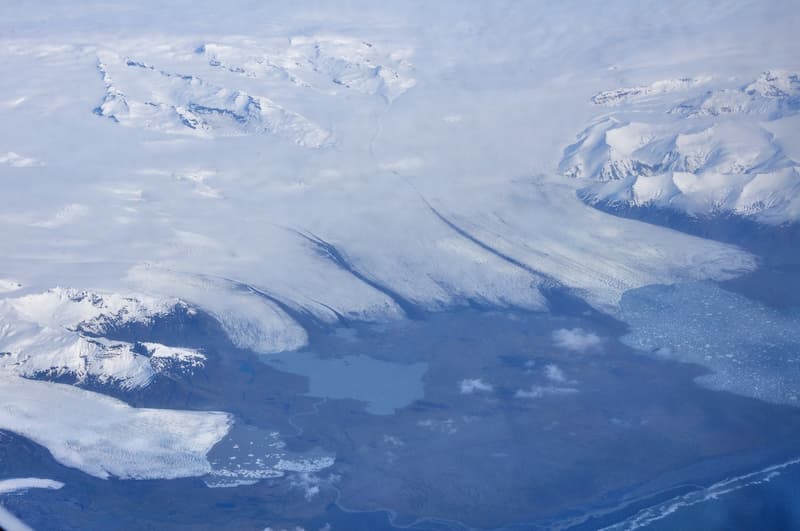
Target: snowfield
(291, 173)
(282, 167)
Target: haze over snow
(271, 165)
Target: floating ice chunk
(268, 458)
(751, 349)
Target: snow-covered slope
(276, 166)
(141, 95)
(60, 332)
(321, 62)
(324, 177)
(701, 154)
(9, 285)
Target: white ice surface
(274, 162)
(106, 437)
(698, 150)
(256, 218)
(8, 285)
(9, 522)
(61, 331)
(17, 484)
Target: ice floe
(749, 348)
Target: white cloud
(554, 373)
(18, 161)
(7, 285)
(64, 216)
(538, 391)
(446, 426)
(475, 385)
(308, 483)
(576, 339)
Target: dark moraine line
(331, 252)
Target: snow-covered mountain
(716, 152)
(324, 63)
(140, 95)
(284, 169)
(61, 332)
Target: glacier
(285, 169)
(105, 437)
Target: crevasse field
(342, 266)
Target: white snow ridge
(60, 332)
(715, 153)
(141, 95)
(322, 62)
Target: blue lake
(383, 386)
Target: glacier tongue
(106, 437)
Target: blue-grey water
(383, 386)
(686, 392)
